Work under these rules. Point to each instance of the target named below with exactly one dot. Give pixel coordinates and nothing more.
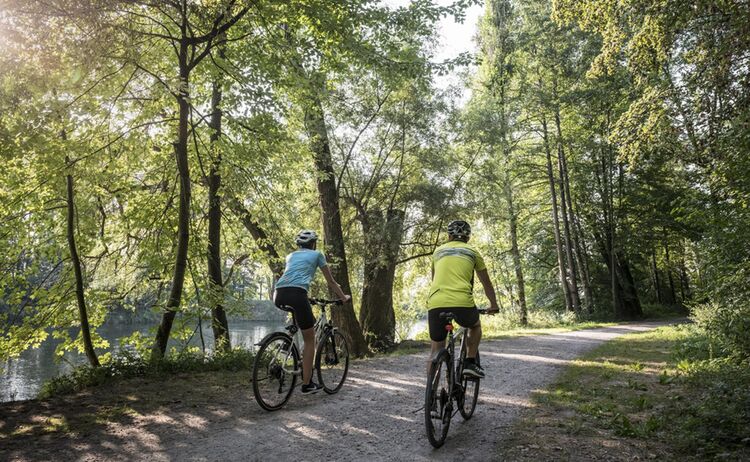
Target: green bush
(726, 328)
(695, 346)
(719, 421)
(660, 311)
(127, 364)
(716, 420)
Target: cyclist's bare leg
(434, 348)
(473, 336)
(308, 353)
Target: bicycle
(278, 362)
(446, 384)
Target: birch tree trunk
(556, 219)
(513, 222)
(571, 274)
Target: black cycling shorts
(465, 317)
(296, 298)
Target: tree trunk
(382, 239)
(183, 224)
(571, 276)
(687, 294)
(667, 260)
(556, 219)
(579, 255)
(275, 262)
(583, 263)
(219, 322)
(631, 302)
(626, 303)
(317, 132)
(655, 276)
(513, 224)
(88, 346)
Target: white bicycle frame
(319, 327)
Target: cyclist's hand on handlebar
(493, 310)
(346, 298)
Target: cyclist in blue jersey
(291, 291)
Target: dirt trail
(376, 416)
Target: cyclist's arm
(489, 289)
(333, 284)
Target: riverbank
(24, 377)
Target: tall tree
(190, 49)
(76, 261)
(499, 82)
(219, 321)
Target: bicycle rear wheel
(468, 400)
(332, 361)
(438, 406)
(273, 371)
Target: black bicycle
(278, 362)
(446, 385)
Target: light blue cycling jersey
(300, 268)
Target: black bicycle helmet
(459, 229)
(306, 236)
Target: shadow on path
(376, 416)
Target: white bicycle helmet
(305, 236)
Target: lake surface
(22, 378)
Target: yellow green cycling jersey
(453, 266)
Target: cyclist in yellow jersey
(452, 290)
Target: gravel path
(376, 416)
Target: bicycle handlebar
(322, 302)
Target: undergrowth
(127, 364)
(660, 387)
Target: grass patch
(641, 395)
(127, 365)
(114, 413)
(42, 425)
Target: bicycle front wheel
(332, 361)
(438, 406)
(275, 371)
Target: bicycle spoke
(332, 361)
(438, 401)
(273, 381)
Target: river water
(22, 378)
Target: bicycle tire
(332, 361)
(438, 398)
(468, 400)
(272, 382)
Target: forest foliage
(162, 155)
